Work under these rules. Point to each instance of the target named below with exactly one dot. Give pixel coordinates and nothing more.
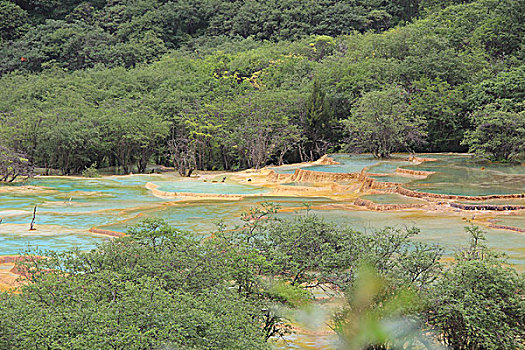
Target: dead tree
(32, 226)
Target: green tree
(442, 106)
(479, 304)
(381, 123)
(13, 165)
(378, 315)
(310, 251)
(318, 123)
(132, 132)
(155, 288)
(506, 91)
(13, 21)
(497, 135)
(253, 127)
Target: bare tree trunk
(32, 226)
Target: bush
(91, 171)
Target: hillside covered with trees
(205, 84)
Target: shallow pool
(199, 186)
(350, 163)
(68, 207)
(392, 198)
(464, 175)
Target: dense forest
(210, 84)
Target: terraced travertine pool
(67, 208)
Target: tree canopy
(381, 123)
(193, 88)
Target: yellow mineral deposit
(439, 193)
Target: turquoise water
(15, 243)
(350, 163)
(353, 163)
(457, 175)
(463, 175)
(512, 220)
(392, 198)
(208, 187)
(394, 178)
(77, 203)
(454, 174)
(202, 216)
(388, 167)
(68, 208)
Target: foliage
(154, 288)
(382, 123)
(377, 316)
(478, 303)
(13, 21)
(159, 287)
(198, 84)
(505, 91)
(318, 123)
(131, 32)
(442, 106)
(498, 135)
(311, 252)
(91, 171)
(13, 165)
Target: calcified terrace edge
(343, 187)
(337, 186)
(348, 187)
